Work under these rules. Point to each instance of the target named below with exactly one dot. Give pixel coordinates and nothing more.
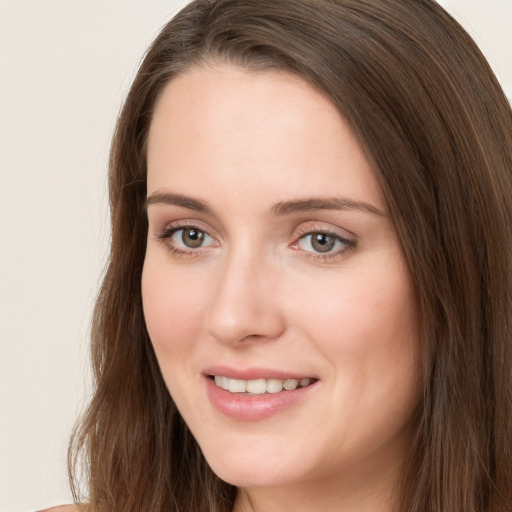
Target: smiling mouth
(260, 386)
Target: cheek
(172, 308)
(369, 333)
(366, 325)
(361, 311)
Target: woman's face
(273, 269)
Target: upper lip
(254, 373)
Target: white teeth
(221, 381)
(259, 386)
(274, 385)
(237, 386)
(291, 384)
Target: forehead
(216, 127)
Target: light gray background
(65, 67)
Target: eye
(185, 240)
(323, 243)
(190, 238)
(319, 242)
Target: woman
(308, 300)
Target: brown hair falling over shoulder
(434, 122)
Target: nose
(244, 306)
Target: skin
(258, 294)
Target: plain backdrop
(65, 67)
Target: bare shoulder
(62, 508)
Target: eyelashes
(186, 240)
(322, 243)
(191, 241)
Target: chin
(250, 477)
(253, 468)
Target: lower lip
(253, 407)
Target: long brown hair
(433, 120)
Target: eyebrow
(178, 200)
(321, 203)
(281, 208)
